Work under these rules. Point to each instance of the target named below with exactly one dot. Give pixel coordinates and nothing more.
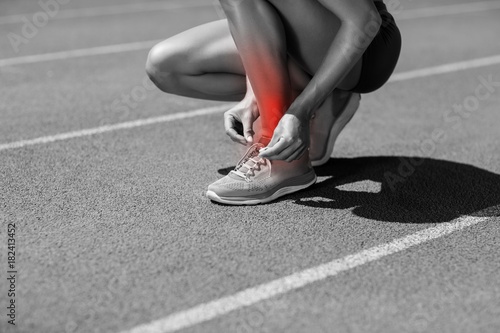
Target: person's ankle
(299, 167)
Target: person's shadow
(402, 189)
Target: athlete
(299, 65)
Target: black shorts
(382, 54)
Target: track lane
(134, 240)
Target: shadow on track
(431, 191)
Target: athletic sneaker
(257, 180)
(325, 129)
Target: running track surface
(114, 232)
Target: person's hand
(238, 121)
(290, 139)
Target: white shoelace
(251, 162)
(250, 168)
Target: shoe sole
(248, 202)
(346, 116)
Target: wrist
(307, 102)
(300, 110)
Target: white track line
(219, 307)
(115, 127)
(136, 46)
(405, 14)
(424, 72)
(464, 8)
(446, 68)
(93, 51)
(64, 14)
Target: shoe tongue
(253, 151)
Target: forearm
(345, 51)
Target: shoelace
(245, 163)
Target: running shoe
(257, 180)
(325, 129)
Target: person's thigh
(208, 48)
(310, 29)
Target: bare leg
(262, 46)
(204, 62)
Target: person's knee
(163, 66)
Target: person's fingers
(270, 152)
(230, 127)
(297, 154)
(304, 151)
(286, 153)
(248, 130)
(274, 140)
